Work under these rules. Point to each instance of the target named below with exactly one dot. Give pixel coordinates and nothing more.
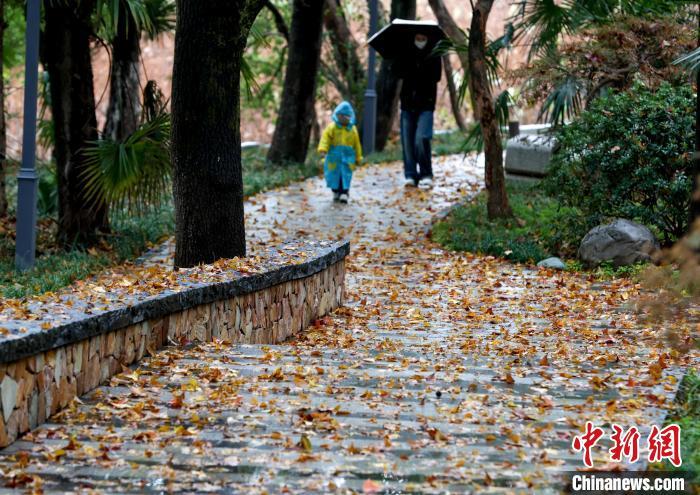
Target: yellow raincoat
(341, 143)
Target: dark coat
(420, 73)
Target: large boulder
(529, 154)
(622, 242)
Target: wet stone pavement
(444, 372)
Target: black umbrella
(393, 39)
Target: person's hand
(321, 160)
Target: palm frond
(161, 14)
(475, 139)
(690, 60)
(257, 38)
(109, 13)
(133, 173)
(502, 105)
(543, 22)
(564, 102)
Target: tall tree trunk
(458, 37)
(67, 55)
(387, 82)
(206, 138)
(497, 204)
(290, 142)
(454, 97)
(349, 78)
(695, 198)
(3, 136)
(124, 108)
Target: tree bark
(3, 136)
(124, 110)
(497, 204)
(452, 30)
(458, 37)
(388, 86)
(454, 97)
(206, 139)
(67, 55)
(695, 197)
(290, 142)
(279, 20)
(350, 77)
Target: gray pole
(370, 106)
(25, 248)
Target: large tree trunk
(290, 141)
(454, 96)
(387, 82)
(206, 139)
(67, 55)
(349, 76)
(3, 138)
(124, 108)
(497, 204)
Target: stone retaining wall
(36, 386)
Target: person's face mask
(420, 44)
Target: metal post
(25, 248)
(370, 105)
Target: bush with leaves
(629, 156)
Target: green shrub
(629, 156)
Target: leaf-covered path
(444, 373)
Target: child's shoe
(343, 198)
(336, 196)
(409, 182)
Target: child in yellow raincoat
(340, 145)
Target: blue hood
(344, 108)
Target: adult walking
(410, 44)
(420, 71)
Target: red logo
(665, 444)
(662, 444)
(587, 441)
(626, 443)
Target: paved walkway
(444, 373)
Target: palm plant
(541, 24)
(133, 173)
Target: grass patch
(534, 233)
(56, 268)
(687, 416)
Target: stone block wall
(35, 387)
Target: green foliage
(264, 60)
(47, 189)
(629, 156)
(134, 172)
(13, 47)
(687, 416)
(150, 17)
(533, 234)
